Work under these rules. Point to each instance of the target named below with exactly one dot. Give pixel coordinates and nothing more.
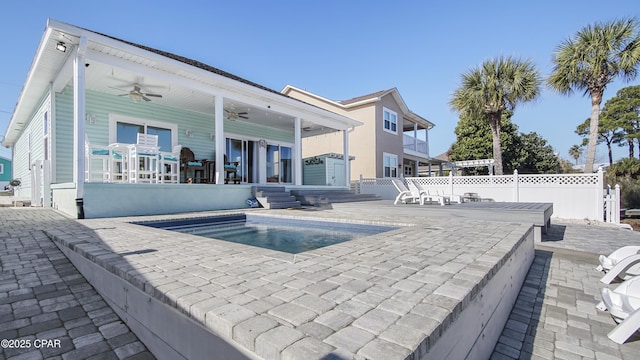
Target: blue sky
(339, 49)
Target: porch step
(274, 197)
(324, 198)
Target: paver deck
(553, 318)
(399, 290)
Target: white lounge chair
(452, 197)
(623, 303)
(429, 195)
(404, 194)
(625, 261)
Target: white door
(338, 174)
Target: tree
(590, 60)
(498, 85)
(528, 153)
(533, 155)
(575, 152)
(474, 139)
(623, 111)
(608, 132)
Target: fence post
(617, 205)
(451, 183)
(360, 185)
(516, 186)
(600, 196)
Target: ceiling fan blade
(145, 98)
(243, 113)
(243, 117)
(153, 95)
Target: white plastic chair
(427, 195)
(169, 166)
(94, 155)
(452, 197)
(143, 159)
(404, 194)
(623, 303)
(623, 263)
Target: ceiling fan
(233, 115)
(137, 95)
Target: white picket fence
(574, 196)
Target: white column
(219, 136)
(415, 136)
(347, 163)
(79, 111)
(297, 152)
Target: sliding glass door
(279, 162)
(242, 153)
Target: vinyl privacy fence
(574, 196)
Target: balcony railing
(414, 144)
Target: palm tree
(575, 152)
(590, 61)
(496, 86)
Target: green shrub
(626, 173)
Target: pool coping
(409, 296)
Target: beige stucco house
(393, 140)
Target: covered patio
(102, 91)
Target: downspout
(79, 110)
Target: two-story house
(393, 140)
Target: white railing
(415, 144)
(574, 196)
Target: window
(1, 168)
(47, 136)
(125, 130)
(408, 170)
(390, 120)
(390, 163)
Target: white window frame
(114, 119)
(1, 169)
(392, 122)
(393, 170)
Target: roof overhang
(408, 114)
(191, 87)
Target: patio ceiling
(114, 66)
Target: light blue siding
(100, 105)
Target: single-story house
(76, 130)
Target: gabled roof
(376, 95)
(367, 99)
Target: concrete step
(274, 197)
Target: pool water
(287, 235)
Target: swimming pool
(282, 234)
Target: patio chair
(169, 167)
(404, 194)
(624, 269)
(188, 162)
(623, 304)
(94, 155)
(452, 197)
(608, 262)
(143, 159)
(110, 162)
(428, 195)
